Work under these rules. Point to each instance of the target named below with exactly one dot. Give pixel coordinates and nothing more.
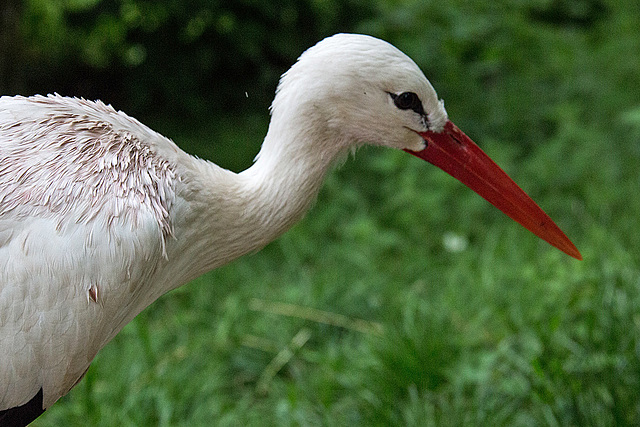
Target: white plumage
(100, 215)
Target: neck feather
(227, 215)
(295, 156)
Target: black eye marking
(408, 101)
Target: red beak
(456, 154)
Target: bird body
(100, 215)
(97, 221)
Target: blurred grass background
(402, 298)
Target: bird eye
(408, 101)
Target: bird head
(353, 89)
(362, 90)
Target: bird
(100, 215)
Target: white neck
(227, 215)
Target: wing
(84, 215)
(76, 160)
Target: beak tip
(575, 253)
(569, 248)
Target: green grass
(502, 330)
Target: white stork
(100, 215)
